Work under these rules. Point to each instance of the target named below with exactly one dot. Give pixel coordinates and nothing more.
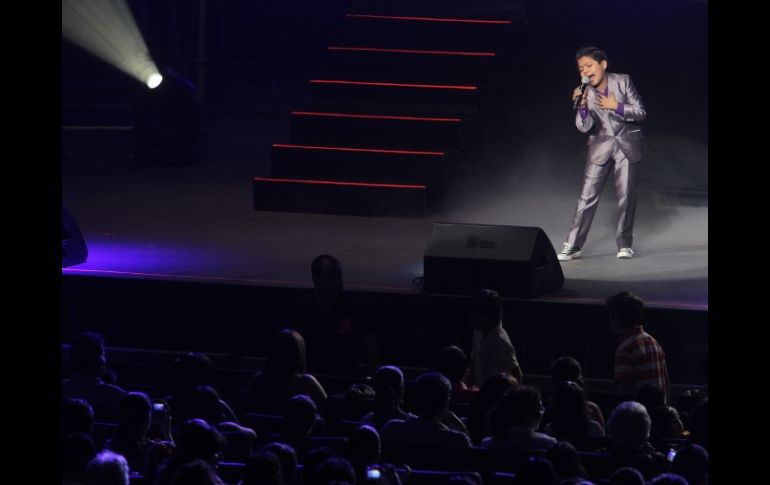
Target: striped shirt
(640, 360)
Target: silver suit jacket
(606, 128)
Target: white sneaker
(568, 253)
(625, 253)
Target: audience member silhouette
(88, 361)
(537, 470)
(626, 475)
(131, 439)
(567, 368)
(365, 447)
(388, 397)
(453, 363)
(188, 372)
(513, 421)
(639, 358)
(699, 424)
(566, 463)
(335, 470)
(431, 403)
(339, 330)
(629, 431)
(198, 472)
(287, 457)
(491, 392)
(77, 417)
(107, 468)
(570, 420)
(691, 462)
(492, 350)
(666, 426)
(264, 468)
(204, 403)
(197, 441)
(77, 451)
(312, 461)
(300, 420)
(365, 453)
(285, 375)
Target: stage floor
(196, 223)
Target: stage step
(427, 32)
(357, 164)
(339, 197)
(386, 131)
(514, 9)
(396, 64)
(347, 91)
(394, 109)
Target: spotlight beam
(107, 30)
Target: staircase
(398, 100)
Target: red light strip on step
(376, 117)
(351, 149)
(331, 182)
(428, 19)
(401, 85)
(413, 51)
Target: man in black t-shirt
(338, 329)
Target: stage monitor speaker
(515, 261)
(73, 246)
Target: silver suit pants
(594, 178)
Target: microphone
(583, 85)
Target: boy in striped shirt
(639, 359)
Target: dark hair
(299, 416)
(691, 461)
(312, 462)
(287, 456)
(452, 362)
(264, 467)
(365, 446)
(567, 368)
(203, 403)
(593, 52)
(518, 407)
(135, 414)
(197, 472)
(566, 461)
(285, 358)
(626, 307)
(322, 264)
(335, 469)
(388, 388)
(191, 370)
(87, 352)
(326, 272)
(570, 411)
(431, 394)
(626, 476)
(490, 393)
(77, 416)
(198, 440)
